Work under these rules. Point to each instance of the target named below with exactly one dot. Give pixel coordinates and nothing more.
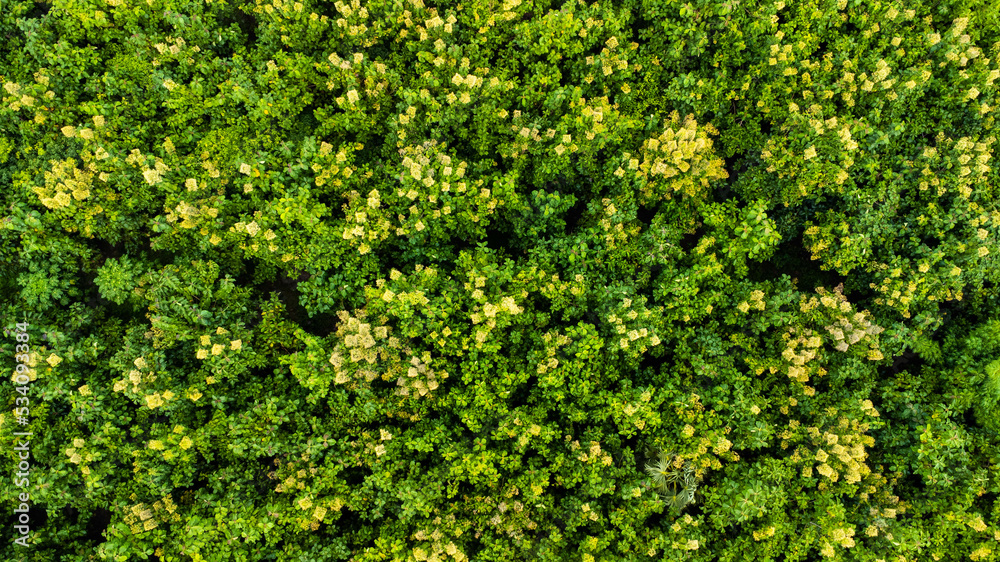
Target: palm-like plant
(676, 485)
(662, 470)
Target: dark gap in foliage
(575, 215)
(690, 240)
(540, 303)
(632, 446)
(989, 498)
(914, 482)
(765, 128)
(460, 244)
(89, 286)
(724, 191)
(496, 239)
(949, 309)
(260, 374)
(653, 271)
(970, 421)
(105, 248)
(264, 483)
(39, 10)
(857, 288)
(70, 514)
(931, 242)
(908, 361)
(582, 188)
(393, 257)
(648, 368)
(322, 324)
(353, 476)
(645, 215)
(524, 391)
(287, 290)
(250, 276)
(97, 524)
(247, 22)
(792, 259)
(159, 258)
(61, 408)
(38, 516)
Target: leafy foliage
(373, 281)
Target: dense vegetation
(495, 281)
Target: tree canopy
(407, 280)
